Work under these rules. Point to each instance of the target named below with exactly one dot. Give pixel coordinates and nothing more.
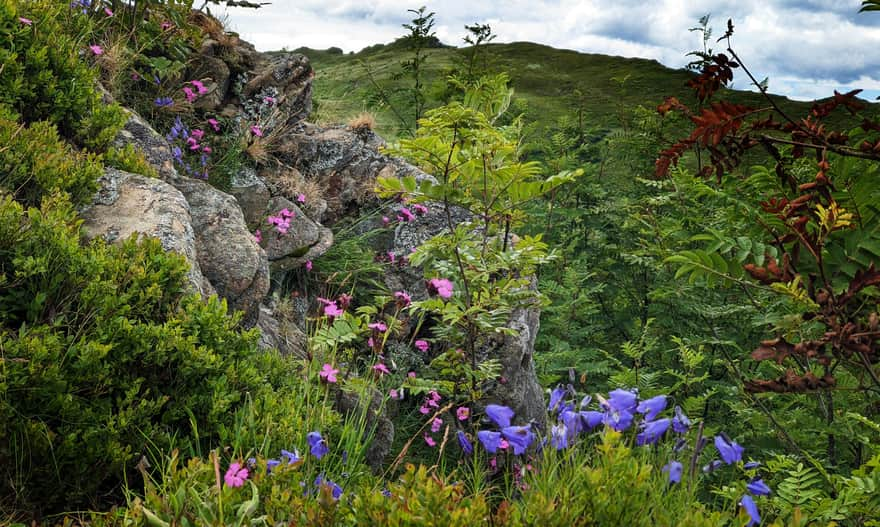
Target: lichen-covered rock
(127, 204)
(518, 385)
(284, 336)
(228, 253)
(344, 163)
(253, 197)
(214, 75)
(304, 240)
(289, 75)
(155, 148)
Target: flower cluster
(519, 438)
(187, 143)
(282, 220)
(441, 287)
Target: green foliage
(34, 162)
(477, 169)
(419, 498)
(44, 77)
(129, 159)
(104, 355)
(613, 487)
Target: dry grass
(364, 122)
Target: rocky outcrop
(345, 164)
(129, 204)
(288, 78)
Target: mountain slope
(544, 77)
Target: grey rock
(518, 386)
(127, 204)
(290, 76)
(283, 336)
(344, 163)
(305, 240)
(227, 251)
(253, 197)
(155, 148)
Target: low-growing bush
(46, 76)
(105, 357)
(35, 161)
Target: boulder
(305, 240)
(128, 204)
(228, 253)
(344, 163)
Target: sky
(806, 48)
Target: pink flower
(214, 124)
(332, 310)
(393, 393)
(405, 212)
(328, 373)
(422, 345)
(206, 149)
(166, 25)
(371, 343)
(25, 21)
(258, 236)
(301, 198)
(193, 143)
(190, 96)
(96, 49)
(269, 100)
(411, 375)
(425, 410)
(344, 300)
(198, 133)
(199, 87)
(235, 475)
(391, 257)
(504, 444)
(308, 265)
(256, 130)
(286, 213)
(440, 286)
(381, 368)
(430, 440)
(402, 298)
(436, 424)
(378, 326)
(421, 210)
(108, 12)
(463, 413)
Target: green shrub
(35, 161)
(129, 159)
(104, 357)
(45, 77)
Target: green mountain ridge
(544, 77)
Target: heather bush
(35, 162)
(46, 76)
(105, 355)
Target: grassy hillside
(544, 77)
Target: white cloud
(803, 46)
